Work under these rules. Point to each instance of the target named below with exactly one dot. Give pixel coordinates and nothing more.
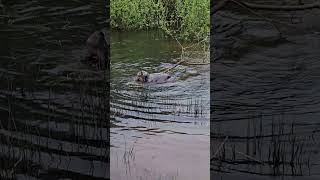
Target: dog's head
(98, 49)
(142, 76)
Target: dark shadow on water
(54, 110)
(265, 105)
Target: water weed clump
(185, 19)
(274, 148)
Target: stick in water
(181, 61)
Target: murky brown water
(160, 131)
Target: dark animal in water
(145, 77)
(98, 49)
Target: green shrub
(135, 14)
(185, 19)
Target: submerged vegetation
(184, 19)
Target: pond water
(53, 109)
(158, 131)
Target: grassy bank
(185, 19)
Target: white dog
(145, 77)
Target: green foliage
(135, 14)
(185, 19)
(188, 19)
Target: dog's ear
(146, 77)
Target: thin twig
(249, 157)
(198, 63)
(167, 70)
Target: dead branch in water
(182, 54)
(198, 63)
(175, 65)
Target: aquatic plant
(277, 151)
